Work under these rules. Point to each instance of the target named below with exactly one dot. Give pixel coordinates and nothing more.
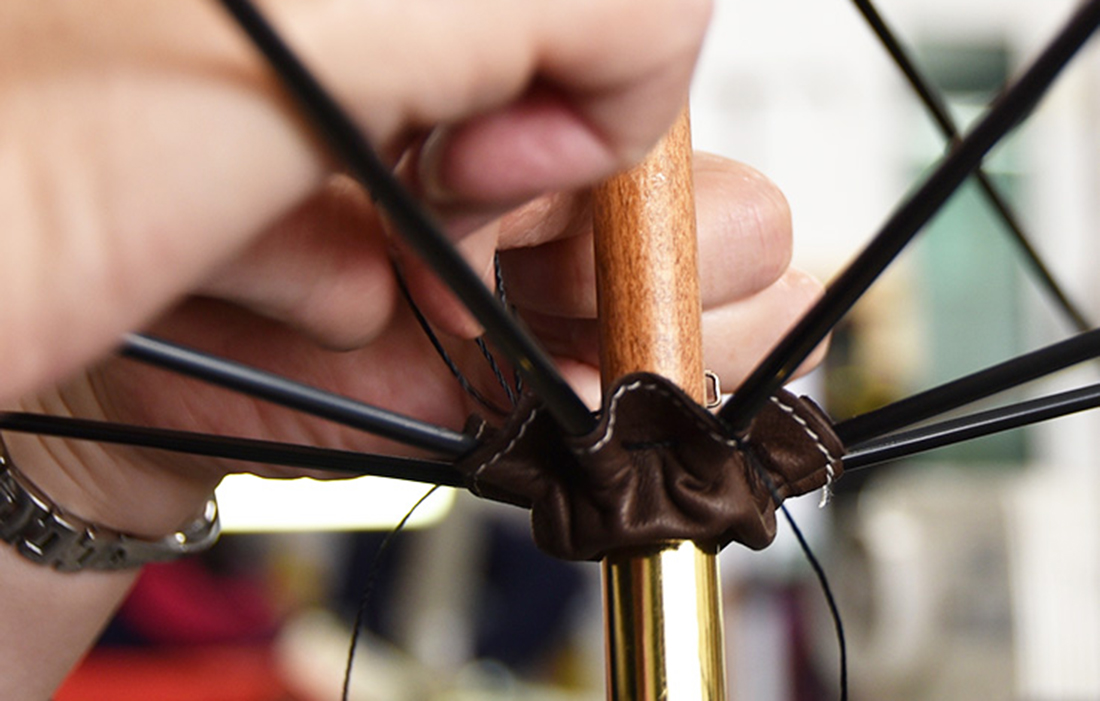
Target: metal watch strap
(45, 534)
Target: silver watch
(45, 534)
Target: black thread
(513, 398)
(815, 564)
(502, 295)
(372, 577)
(426, 327)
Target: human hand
(153, 175)
(277, 287)
(253, 313)
(145, 144)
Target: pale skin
(153, 176)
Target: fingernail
(429, 168)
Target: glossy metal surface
(664, 626)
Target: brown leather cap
(657, 468)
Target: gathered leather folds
(658, 468)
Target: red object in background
(201, 673)
(183, 602)
(204, 636)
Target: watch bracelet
(43, 533)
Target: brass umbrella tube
(662, 607)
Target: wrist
(108, 487)
(47, 534)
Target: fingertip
(806, 288)
(745, 230)
(538, 144)
(737, 336)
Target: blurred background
(972, 572)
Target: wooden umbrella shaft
(662, 608)
(647, 269)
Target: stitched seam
(827, 489)
(664, 392)
(501, 453)
(830, 474)
(790, 411)
(482, 427)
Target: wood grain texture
(663, 608)
(647, 267)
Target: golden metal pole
(662, 607)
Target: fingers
(323, 270)
(744, 233)
(750, 295)
(540, 95)
(737, 336)
(541, 105)
(744, 229)
(195, 149)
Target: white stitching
(500, 453)
(482, 427)
(676, 399)
(827, 489)
(790, 410)
(830, 474)
(664, 392)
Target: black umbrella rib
(295, 395)
(907, 443)
(423, 234)
(971, 388)
(1010, 108)
(937, 108)
(234, 448)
